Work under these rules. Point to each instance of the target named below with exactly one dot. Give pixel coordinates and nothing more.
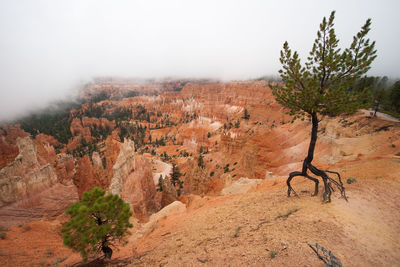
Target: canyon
(229, 205)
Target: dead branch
(326, 256)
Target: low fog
(48, 49)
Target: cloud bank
(47, 48)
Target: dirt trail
(381, 116)
(160, 168)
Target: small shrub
(272, 253)
(226, 168)
(2, 235)
(48, 253)
(25, 228)
(351, 180)
(211, 174)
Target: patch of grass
(237, 231)
(351, 180)
(272, 254)
(287, 214)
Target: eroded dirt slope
(246, 229)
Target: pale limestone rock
(243, 185)
(96, 159)
(24, 175)
(139, 189)
(175, 207)
(45, 177)
(227, 178)
(124, 165)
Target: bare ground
(248, 229)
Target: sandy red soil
(242, 230)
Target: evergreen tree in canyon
(97, 222)
(321, 87)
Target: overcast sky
(49, 47)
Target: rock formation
(48, 204)
(139, 190)
(241, 186)
(65, 167)
(8, 143)
(124, 165)
(197, 179)
(24, 175)
(169, 193)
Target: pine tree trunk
(314, 170)
(313, 140)
(107, 251)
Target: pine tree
(246, 115)
(322, 87)
(379, 93)
(176, 174)
(395, 97)
(200, 161)
(97, 222)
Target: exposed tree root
(328, 181)
(326, 256)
